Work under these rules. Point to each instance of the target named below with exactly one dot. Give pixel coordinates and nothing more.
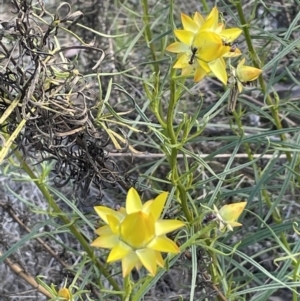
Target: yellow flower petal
(212, 20)
(200, 73)
(138, 264)
(163, 244)
(235, 224)
(133, 201)
(229, 227)
(231, 212)
(106, 241)
(189, 24)
(65, 293)
(182, 62)
(247, 73)
(148, 259)
(147, 206)
(198, 19)
(118, 252)
(218, 68)
(113, 223)
(204, 66)
(103, 230)
(159, 259)
(158, 204)
(166, 226)
(210, 46)
(240, 86)
(222, 226)
(220, 28)
(178, 47)
(230, 34)
(129, 262)
(122, 211)
(104, 211)
(184, 36)
(186, 71)
(233, 52)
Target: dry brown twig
(29, 279)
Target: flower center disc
(138, 229)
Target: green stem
(127, 288)
(272, 104)
(148, 35)
(174, 151)
(295, 278)
(205, 6)
(161, 120)
(256, 62)
(52, 204)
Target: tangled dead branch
(46, 106)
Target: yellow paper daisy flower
(202, 44)
(65, 294)
(136, 234)
(227, 35)
(199, 54)
(246, 74)
(229, 214)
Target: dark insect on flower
(208, 218)
(117, 207)
(193, 56)
(233, 46)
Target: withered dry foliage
(46, 106)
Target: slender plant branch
(52, 204)
(273, 105)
